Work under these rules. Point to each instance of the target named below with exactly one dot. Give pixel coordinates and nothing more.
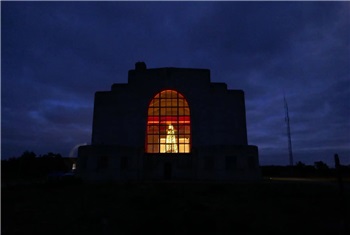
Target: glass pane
(173, 111)
(187, 148)
(176, 128)
(168, 111)
(181, 102)
(149, 148)
(165, 102)
(153, 139)
(181, 111)
(187, 129)
(173, 94)
(184, 129)
(149, 139)
(153, 120)
(163, 111)
(153, 111)
(174, 102)
(156, 111)
(181, 148)
(187, 111)
(149, 130)
(154, 148)
(186, 138)
(163, 94)
(154, 103)
(185, 104)
(163, 131)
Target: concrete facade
(219, 147)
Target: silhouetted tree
(300, 169)
(28, 155)
(26, 164)
(320, 165)
(322, 169)
(300, 164)
(53, 162)
(29, 166)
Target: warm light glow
(171, 145)
(168, 124)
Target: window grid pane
(168, 124)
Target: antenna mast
(288, 132)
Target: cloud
(56, 55)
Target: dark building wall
(217, 114)
(207, 163)
(220, 149)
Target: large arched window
(168, 124)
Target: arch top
(169, 93)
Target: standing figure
(171, 145)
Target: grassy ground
(268, 207)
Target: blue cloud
(55, 55)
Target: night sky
(56, 55)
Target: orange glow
(168, 124)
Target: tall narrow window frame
(168, 124)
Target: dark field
(268, 207)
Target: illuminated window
(168, 124)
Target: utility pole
(288, 133)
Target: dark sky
(55, 55)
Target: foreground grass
(176, 208)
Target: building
(169, 123)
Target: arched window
(168, 124)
